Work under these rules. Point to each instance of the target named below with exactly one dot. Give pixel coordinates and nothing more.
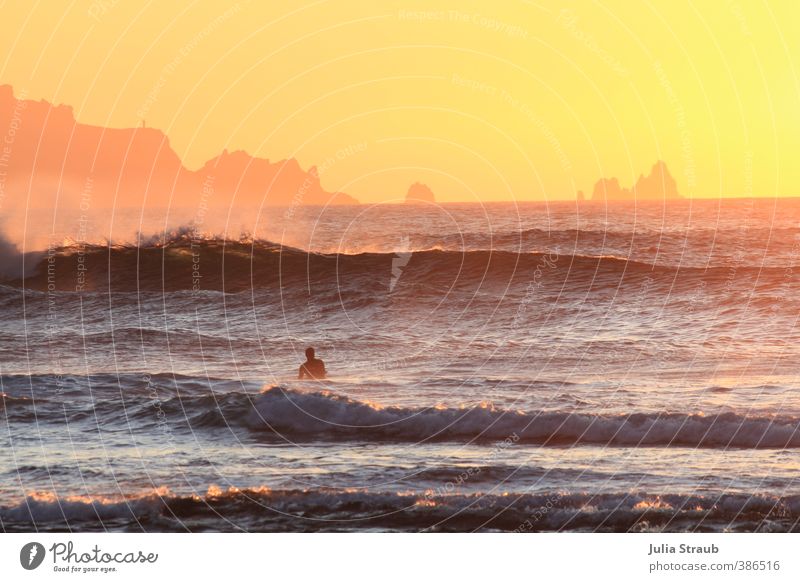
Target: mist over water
(614, 367)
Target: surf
(265, 509)
(182, 263)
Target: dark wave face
(299, 415)
(286, 414)
(233, 266)
(507, 367)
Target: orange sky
(522, 100)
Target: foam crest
(297, 414)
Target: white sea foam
(267, 510)
(293, 414)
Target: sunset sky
(522, 100)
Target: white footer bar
(353, 557)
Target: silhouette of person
(312, 368)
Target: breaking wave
(296, 414)
(291, 414)
(262, 509)
(182, 263)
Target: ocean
(520, 367)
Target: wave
(287, 414)
(672, 244)
(262, 509)
(182, 263)
(294, 414)
(8, 400)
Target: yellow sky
(488, 101)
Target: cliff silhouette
(49, 157)
(419, 192)
(658, 185)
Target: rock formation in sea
(658, 185)
(419, 192)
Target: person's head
(309, 353)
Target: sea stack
(658, 185)
(419, 193)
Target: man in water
(312, 368)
